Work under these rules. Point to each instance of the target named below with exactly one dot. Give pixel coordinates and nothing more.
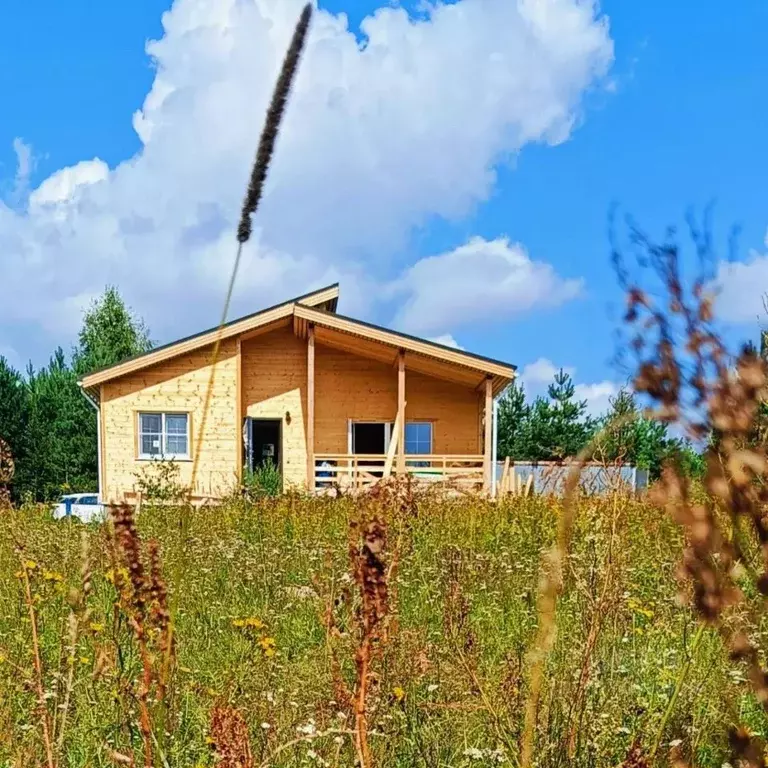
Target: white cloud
(25, 164)
(538, 375)
(743, 287)
(479, 280)
(65, 185)
(378, 139)
(446, 340)
(598, 396)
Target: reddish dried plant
(142, 598)
(367, 545)
(690, 379)
(229, 738)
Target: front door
(262, 442)
(371, 437)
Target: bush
(265, 480)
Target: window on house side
(418, 437)
(163, 435)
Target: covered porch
(403, 439)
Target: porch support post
(401, 413)
(311, 407)
(488, 441)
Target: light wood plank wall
(274, 376)
(273, 379)
(352, 387)
(178, 385)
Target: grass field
(265, 619)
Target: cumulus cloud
(538, 375)
(379, 138)
(742, 287)
(477, 281)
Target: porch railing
(360, 471)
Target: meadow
(267, 621)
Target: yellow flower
(238, 622)
(255, 622)
(30, 565)
(96, 626)
(398, 693)
(84, 659)
(268, 646)
(52, 576)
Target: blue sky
(471, 150)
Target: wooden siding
(266, 377)
(178, 385)
(274, 377)
(351, 387)
(453, 409)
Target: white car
(84, 506)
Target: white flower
(432, 687)
(308, 729)
(474, 753)
(266, 726)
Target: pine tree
(13, 414)
(512, 418)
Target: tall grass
(256, 654)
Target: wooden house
(326, 398)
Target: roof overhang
(430, 358)
(325, 298)
(319, 310)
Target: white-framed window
(163, 435)
(418, 437)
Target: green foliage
(13, 412)
(110, 333)
(49, 425)
(160, 480)
(265, 480)
(627, 436)
(452, 681)
(61, 433)
(558, 427)
(551, 428)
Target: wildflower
(398, 693)
(239, 623)
(84, 659)
(266, 726)
(268, 646)
(432, 687)
(254, 622)
(30, 565)
(308, 729)
(52, 576)
(96, 626)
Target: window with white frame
(418, 437)
(163, 436)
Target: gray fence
(550, 476)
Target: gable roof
(318, 309)
(327, 296)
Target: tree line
(49, 427)
(558, 426)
